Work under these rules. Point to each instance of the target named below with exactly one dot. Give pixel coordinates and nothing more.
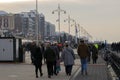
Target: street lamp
(78, 32)
(36, 24)
(59, 10)
(75, 24)
(69, 20)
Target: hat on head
(81, 40)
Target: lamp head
(64, 12)
(53, 12)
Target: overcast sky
(100, 18)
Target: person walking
(37, 60)
(83, 52)
(50, 57)
(54, 47)
(90, 52)
(32, 50)
(43, 50)
(57, 69)
(68, 58)
(94, 54)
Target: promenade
(25, 71)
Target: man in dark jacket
(54, 47)
(32, 50)
(50, 57)
(83, 52)
(37, 60)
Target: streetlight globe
(52, 12)
(64, 12)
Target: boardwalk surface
(97, 71)
(25, 71)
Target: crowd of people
(52, 58)
(50, 53)
(116, 46)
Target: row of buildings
(24, 24)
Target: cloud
(83, 2)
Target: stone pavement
(25, 71)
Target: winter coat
(32, 51)
(37, 56)
(83, 50)
(50, 55)
(94, 52)
(56, 51)
(68, 56)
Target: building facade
(24, 24)
(6, 24)
(41, 26)
(49, 30)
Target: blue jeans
(84, 64)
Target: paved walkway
(97, 71)
(25, 71)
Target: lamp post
(78, 25)
(59, 10)
(75, 31)
(36, 24)
(69, 19)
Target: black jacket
(37, 56)
(50, 55)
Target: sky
(100, 18)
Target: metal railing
(114, 61)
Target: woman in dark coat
(37, 60)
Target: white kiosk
(7, 49)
